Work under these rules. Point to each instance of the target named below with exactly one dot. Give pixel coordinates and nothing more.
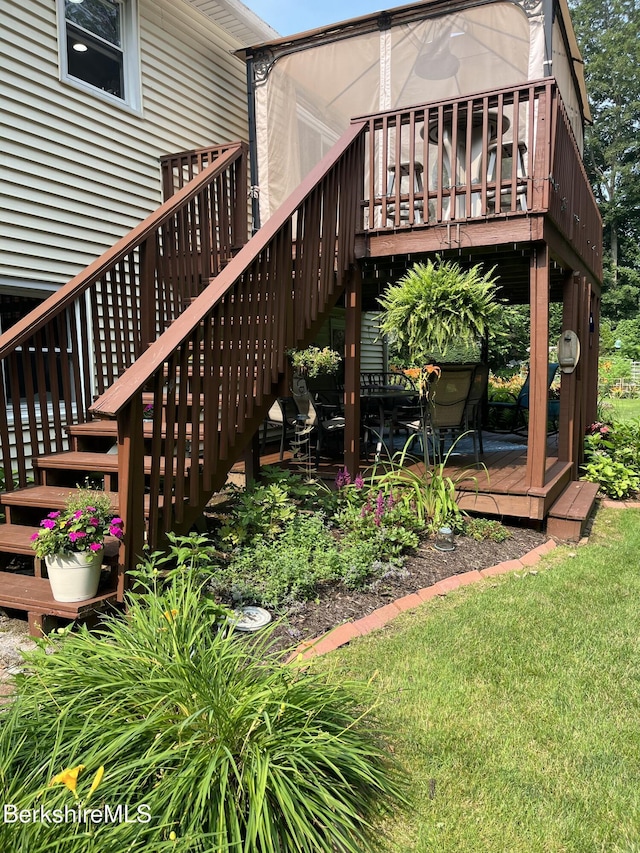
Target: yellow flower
(170, 616)
(68, 777)
(96, 780)
(172, 836)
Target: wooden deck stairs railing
(151, 371)
(79, 341)
(171, 410)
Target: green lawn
(623, 410)
(515, 705)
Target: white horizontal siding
(79, 172)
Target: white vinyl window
(99, 48)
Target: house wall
(79, 172)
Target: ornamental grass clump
(83, 525)
(208, 739)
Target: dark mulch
(336, 604)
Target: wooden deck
(495, 487)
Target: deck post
(594, 347)
(131, 486)
(569, 386)
(538, 371)
(352, 347)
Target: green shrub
(287, 568)
(266, 507)
(482, 529)
(615, 479)
(612, 453)
(221, 745)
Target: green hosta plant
(612, 452)
(615, 479)
(209, 739)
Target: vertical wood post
(538, 371)
(240, 212)
(131, 486)
(352, 346)
(251, 457)
(568, 388)
(583, 369)
(594, 348)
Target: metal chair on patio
(445, 412)
(511, 414)
(282, 414)
(314, 419)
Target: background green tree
(607, 31)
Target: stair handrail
(118, 395)
(212, 375)
(68, 293)
(100, 321)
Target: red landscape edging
(377, 619)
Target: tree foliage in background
(607, 31)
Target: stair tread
(576, 501)
(46, 496)
(78, 460)
(24, 592)
(81, 460)
(16, 539)
(55, 497)
(109, 429)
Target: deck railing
(504, 153)
(79, 341)
(214, 372)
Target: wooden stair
(569, 515)
(57, 477)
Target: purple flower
(95, 546)
(49, 523)
(117, 521)
(359, 482)
(391, 501)
(343, 478)
(54, 514)
(34, 537)
(77, 513)
(77, 534)
(116, 531)
(94, 522)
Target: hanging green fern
(436, 305)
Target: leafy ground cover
(516, 705)
(316, 558)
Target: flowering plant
(82, 526)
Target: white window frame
(132, 100)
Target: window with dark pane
(94, 44)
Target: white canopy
(307, 88)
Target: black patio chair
(282, 414)
(511, 414)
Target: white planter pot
(74, 577)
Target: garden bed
(336, 604)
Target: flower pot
(74, 576)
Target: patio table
(387, 398)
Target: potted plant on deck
(72, 544)
(313, 362)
